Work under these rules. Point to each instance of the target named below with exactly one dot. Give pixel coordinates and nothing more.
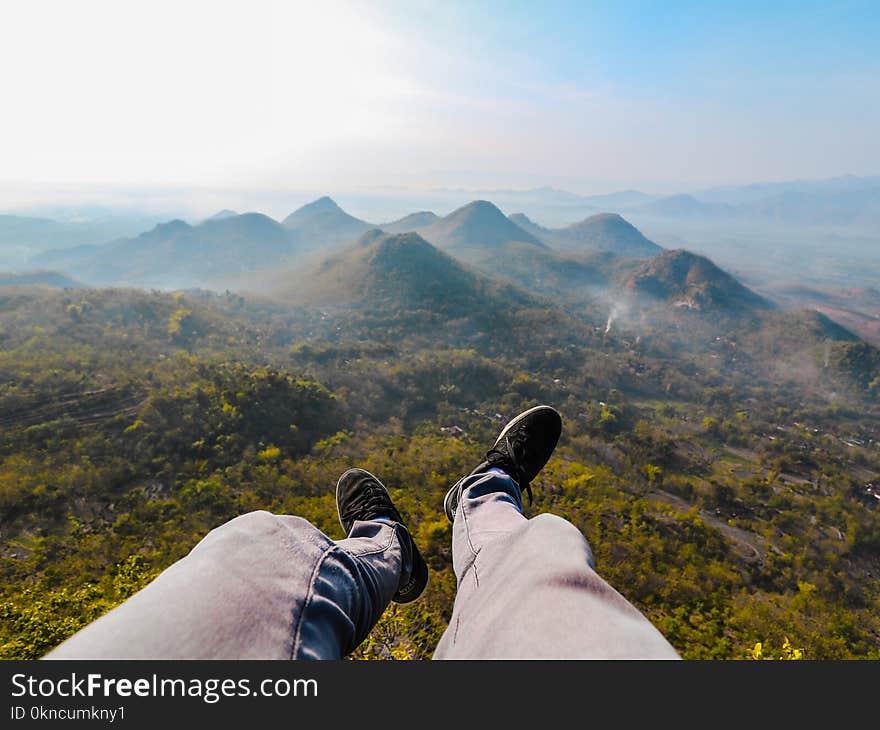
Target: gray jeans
(275, 587)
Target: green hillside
(726, 496)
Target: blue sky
(588, 96)
(668, 44)
(704, 92)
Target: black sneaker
(360, 496)
(522, 449)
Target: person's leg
(528, 588)
(261, 586)
(270, 587)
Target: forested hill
(724, 469)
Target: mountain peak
(385, 271)
(169, 228)
(607, 232)
(221, 214)
(481, 205)
(544, 235)
(246, 222)
(391, 244)
(370, 237)
(612, 218)
(411, 222)
(479, 224)
(324, 204)
(480, 210)
(323, 223)
(521, 218)
(691, 281)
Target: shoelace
(509, 461)
(370, 503)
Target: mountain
(50, 279)
(411, 222)
(545, 235)
(32, 232)
(687, 280)
(178, 255)
(859, 208)
(544, 197)
(393, 273)
(477, 225)
(857, 310)
(846, 202)
(567, 278)
(753, 192)
(819, 326)
(686, 206)
(22, 237)
(221, 214)
(620, 199)
(323, 224)
(603, 232)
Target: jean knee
(260, 525)
(558, 534)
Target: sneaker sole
(419, 579)
(501, 435)
(521, 417)
(446, 502)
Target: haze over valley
(803, 244)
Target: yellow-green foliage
(178, 320)
(786, 653)
(132, 428)
(270, 453)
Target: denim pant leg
(261, 586)
(527, 588)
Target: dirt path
(751, 546)
(84, 408)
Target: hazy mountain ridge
(573, 264)
(607, 232)
(391, 273)
(411, 222)
(481, 236)
(856, 309)
(395, 287)
(687, 280)
(686, 206)
(221, 214)
(479, 224)
(179, 254)
(323, 224)
(830, 204)
(51, 279)
(22, 237)
(527, 224)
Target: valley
(720, 451)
